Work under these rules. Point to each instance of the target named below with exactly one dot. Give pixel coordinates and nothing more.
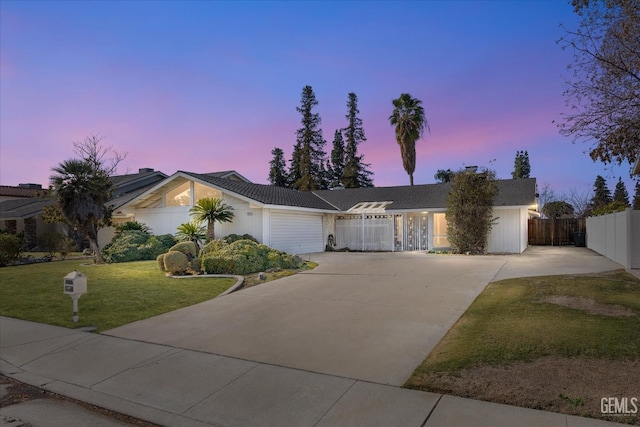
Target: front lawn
(117, 293)
(559, 343)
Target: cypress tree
(336, 166)
(277, 168)
(307, 162)
(356, 173)
(521, 167)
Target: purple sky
(207, 86)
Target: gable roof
(511, 192)
(23, 190)
(23, 208)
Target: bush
(244, 257)
(160, 260)
(214, 246)
(176, 262)
(188, 248)
(133, 225)
(136, 245)
(50, 242)
(10, 247)
(234, 237)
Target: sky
(206, 86)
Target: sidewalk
(176, 387)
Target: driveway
(366, 316)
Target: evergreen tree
(521, 167)
(356, 173)
(307, 162)
(443, 176)
(294, 173)
(601, 193)
(469, 210)
(335, 168)
(277, 168)
(620, 193)
(636, 197)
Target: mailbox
(75, 283)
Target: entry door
(414, 232)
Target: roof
(266, 194)
(511, 192)
(10, 191)
(23, 208)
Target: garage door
(297, 233)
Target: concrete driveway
(366, 316)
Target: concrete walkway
(328, 347)
(176, 387)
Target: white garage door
(297, 233)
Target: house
(371, 219)
(21, 207)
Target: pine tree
(307, 162)
(636, 197)
(620, 193)
(356, 173)
(277, 168)
(521, 167)
(335, 167)
(601, 193)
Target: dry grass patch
(558, 343)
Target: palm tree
(409, 120)
(211, 210)
(193, 232)
(82, 192)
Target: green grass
(117, 293)
(508, 323)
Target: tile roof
(511, 192)
(267, 194)
(10, 191)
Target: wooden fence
(555, 232)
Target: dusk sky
(207, 86)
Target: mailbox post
(75, 284)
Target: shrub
(188, 248)
(213, 247)
(160, 260)
(10, 247)
(136, 245)
(244, 257)
(176, 262)
(133, 225)
(234, 237)
(195, 265)
(51, 242)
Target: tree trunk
(210, 231)
(411, 178)
(93, 244)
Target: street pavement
(329, 347)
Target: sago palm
(193, 232)
(409, 119)
(211, 210)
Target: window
(179, 196)
(202, 191)
(440, 239)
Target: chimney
(145, 170)
(31, 186)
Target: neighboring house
(21, 206)
(371, 219)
